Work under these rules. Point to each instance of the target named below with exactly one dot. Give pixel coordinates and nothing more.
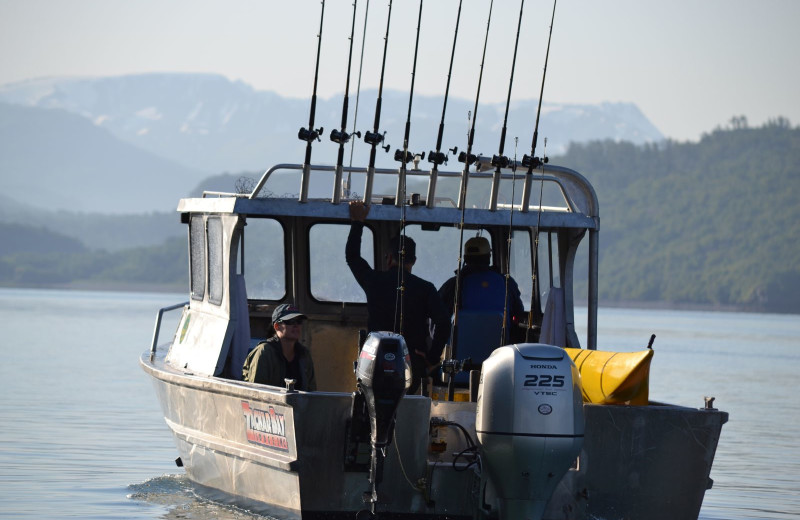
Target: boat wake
(179, 499)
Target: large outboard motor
(383, 373)
(529, 423)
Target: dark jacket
(420, 302)
(266, 365)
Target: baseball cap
(286, 311)
(477, 246)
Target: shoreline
(617, 304)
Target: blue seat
(480, 318)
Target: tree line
(714, 222)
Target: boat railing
(209, 193)
(578, 195)
(157, 330)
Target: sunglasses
(293, 321)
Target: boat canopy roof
(565, 197)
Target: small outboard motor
(383, 373)
(529, 423)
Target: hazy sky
(690, 65)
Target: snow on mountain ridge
(212, 124)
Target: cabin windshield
(266, 246)
(329, 277)
(437, 251)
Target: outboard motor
(383, 373)
(529, 423)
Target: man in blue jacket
(422, 310)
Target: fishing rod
(404, 156)
(467, 158)
(346, 187)
(400, 198)
(531, 162)
(309, 135)
(437, 157)
(375, 137)
(510, 235)
(500, 161)
(341, 136)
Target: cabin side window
(264, 259)
(548, 265)
(215, 255)
(197, 248)
(521, 266)
(330, 278)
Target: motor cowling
(529, 424)
(384, 374)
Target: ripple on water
(177, 498)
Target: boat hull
(292, 467)
(282, 454)
(648, 462)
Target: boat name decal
(265, 427)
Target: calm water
(81, 435)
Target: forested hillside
(711, 223)
(714, 222)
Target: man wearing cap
(420, 300)
(282, 356)
(483, 286)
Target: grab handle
(158, 325)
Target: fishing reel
(533, 162)
(451, 367)
(409, 156)
(341, 137)
(310, 135)
(500, 161)
(467, 158)
(438, 158)
(375, 138)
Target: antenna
(437, 157)
(341, 136)
(309, 135)
(375, 137)
(500, 161)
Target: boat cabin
(284, 242)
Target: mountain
(214, 125)
(56, 160)
(714, 223)
(21, 238)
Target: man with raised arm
(422, 310)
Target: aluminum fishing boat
(515, 445)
